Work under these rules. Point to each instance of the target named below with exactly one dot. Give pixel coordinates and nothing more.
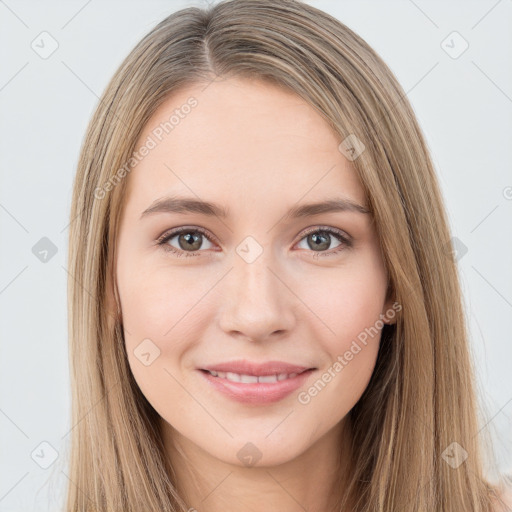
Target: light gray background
(464, 106)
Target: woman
(264, 314)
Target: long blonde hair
(422, 396)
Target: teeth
(252, 379)
(268, 378)
(247, 379)
(234, 377)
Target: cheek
(162, 319)
(348, 299)
(156, 301)
(351, 356)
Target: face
(246, 284)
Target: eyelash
(344, 240)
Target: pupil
(320, 241)
(190, 239)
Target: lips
(244, 367)
(256, 383)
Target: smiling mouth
(253, 379)
(256, 390)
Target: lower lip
(258, 392)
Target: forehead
(240, 141)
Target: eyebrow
(188, 205)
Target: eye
(189, 241)
(320, 238)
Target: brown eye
(320, 240)
(188, 241)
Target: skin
(257, 150)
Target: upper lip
(244, 367)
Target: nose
(256, 304)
